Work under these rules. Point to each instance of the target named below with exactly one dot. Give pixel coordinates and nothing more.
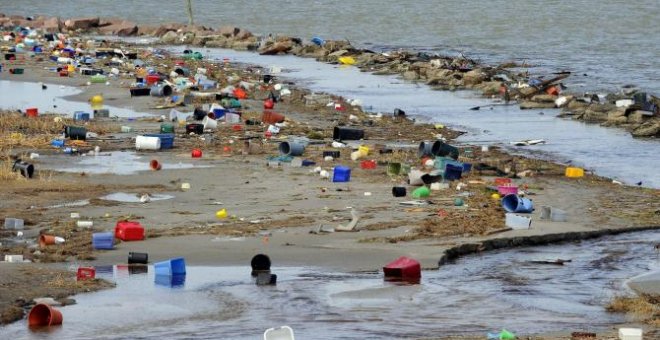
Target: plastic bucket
(26, 169)
(166, 139)
(260, 263)
(152, 79)
(154, 164)
(101, 113)
(344, 133)
(514, 221)
(44, 315)
(46, 240)
(398, 191)
(75, 132)
(232, 117)
(516, 204)
(79, 115)
(138, 258)
(393, 169)
(140, 91)
(453, 172)
(271, 117)
(332, 153)
(32, 112)
(443, 149)
(166, 128)
(104, 241)
(341, 174)
(415, 177)
(175, 266)
(14, 223)
(219, 112)
(425, 149)
(161, 90)
(507, 190)
(291, 148)
(209, 123)
(147, 143)
(171, 281)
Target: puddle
(475, 295)
(21, 95)
(610, 152)
(118, 163)
(134, 198)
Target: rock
(170, 37)
(229, 31)
(544, 98)
(312, 51)
(616, 113)
(575, 105)
(67, 301)
(594, 116)
(648, 129)
(216, 41)
(47, 300)
(338, 53)
(243, 34)
(163, 29)
(147, 30)
(638, 117)
(527, 105)
(82, 23)
(603, 108)
(187, 38)
(245, 45)
(277, 48)
(52, 25)
(616, 120)
(122, 28)
(473, 77)
(410, 75)
(489, 88)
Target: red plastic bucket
(44, 315)
(369, 164)
(152, 79)
(32, 112)
(85, 273)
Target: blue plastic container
(80, 115)
(441, 163)
(516, 204)
(467, 167)
(219, 113)
(175, 266)
(166, 139)
(453, 172)
(341, 174)
(103, 241)
(318, 41)
(57, 143)
(170, 281)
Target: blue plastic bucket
(166, 139)
(453, 172)
(440, 163)
(103, 241)
(467, 167)
(175, 266)
(517, 204)
(341, 174)
(170, 281)
(80, 115)
(219, 113)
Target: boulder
(648, 129)
(277, 48)
(544, 98)
(338, 53)
(82, 23)
(616, 114)
(216, 41)
(575, 105)
(163, 29)
(243, 34)
(594, 116)
(187, 38)
(473, 77)
(170, 37)
(638, 117)
(489, 88)
(410, 75)
(245, 45)
(528, 105)
(52, 25)
(147, 30)
(229, 31)
(123, 29)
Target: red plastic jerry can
(403, 268)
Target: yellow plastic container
(346, 60)
(71, 69)
(364, 150)
(574, 172)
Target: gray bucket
(161, 90)
(291, 149)
(425, 149)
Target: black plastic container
(140, 91)
(398, 191)
(443, 149)
(138, 258)
(345, 133)
(333, 154)
(75, 132)
(197, 129)
(26, 169)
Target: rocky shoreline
(632, 109)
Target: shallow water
(134, 198)
(609, 152)
(117, 162)
(477, 294)
(613, 42)
(22, 95)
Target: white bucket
(415, 177)
(630, 333)
(147, 143)
(355, 155)
(64, 60)
(209, 123)
(439, 186)
(514, 221)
